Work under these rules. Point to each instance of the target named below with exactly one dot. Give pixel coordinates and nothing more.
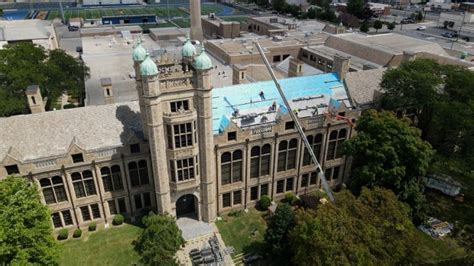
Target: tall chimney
(295, 68)
(341, 65)
(238, 74)
(196, 28)
(106, 84)
(35, 100)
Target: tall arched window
(83, 183)
(316, 143)
(138, 173)
(231, 167)
(287, 155)
(53, 190)
(260, 160)
(336, 139)
(112, 178)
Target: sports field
(160, 11)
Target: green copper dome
(188, 49)
(203, 61)
(148, 67)
(139, 53)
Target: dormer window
(12, 169)
(77, 158)
(135, 148)
(179, 105)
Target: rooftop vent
(212, 16)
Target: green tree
(391, 26)
(159, 242)
(276, 235)
(279, 5)
(356, 8)
(378, 25)
(373, 229)
(442, 96)
(25, 225)
(25, 64)
(364, 27)
(388, 152)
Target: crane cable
(321, 175)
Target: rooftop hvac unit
(273, 20)
(212, 15)
(277, 38)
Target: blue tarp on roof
(245, 96)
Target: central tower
(196, 28)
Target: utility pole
(460, 28)
(62, 11)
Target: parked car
(448, 34)
(251, 258)
(73, 28)
(408, 21)
(421, 28)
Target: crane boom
(321, 175)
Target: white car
(421, 28)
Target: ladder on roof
(321, 175)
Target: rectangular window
(183, 169)
(135, 148)
(280, 186)
(95, 211)
(121, 205)
(335, 173)
(314, 178)
(226, 200)
(138, 201)
(237, 197)
(304, 180)
(232, 135)
(254, 193)
(86, 215)
(276, 58)
(289, 125)
(112, 207)
(56, 220)
(77, 158)
(146, 199)
(12, 169)
(177, 105)
(183, 135)
(289, 184)
(264, 190)
(67, 218)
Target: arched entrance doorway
(186, 206)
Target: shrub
(77, 233)
(92, 226)
(236, 213)
(63, 234)
(265, 202)
(118, 219)
(290, 198)
(69, 106)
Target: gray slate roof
(364, 86)
(50, 134)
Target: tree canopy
(276, 235)
(443, 97)
(26, 64)
(160, 240)
(388, 152)
(373, 229)
(25, 225)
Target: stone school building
(184, 148)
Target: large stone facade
(164, 154)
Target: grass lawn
(436, 250)
(237, 231)
(112, 246)
(237, 19)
